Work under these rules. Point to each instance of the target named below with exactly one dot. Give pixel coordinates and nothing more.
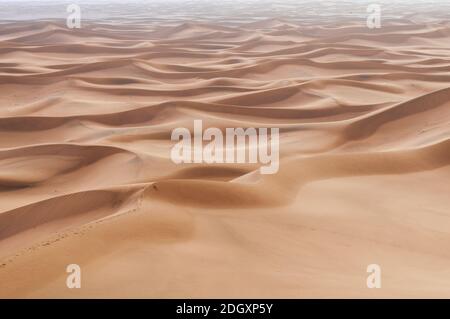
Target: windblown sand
(86, 176)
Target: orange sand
(86, 175)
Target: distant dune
(86, 176)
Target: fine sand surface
(86, 176)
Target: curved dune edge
(86, 175)
(280, 190)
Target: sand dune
(86, 175)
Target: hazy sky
(95, 9)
